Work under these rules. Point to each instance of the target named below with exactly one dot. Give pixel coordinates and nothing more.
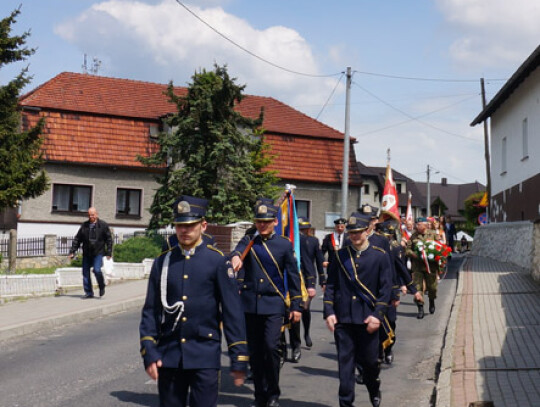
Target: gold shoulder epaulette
(285, 237)
(214, 249)
(379, 249)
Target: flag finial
(388, 156)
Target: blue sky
(423, 122)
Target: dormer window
(154, 131)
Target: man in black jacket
(95, 237)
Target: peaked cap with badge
(188, 209)
(358, 222)
(369, 210)
(303, 223)
(340, 221)
(265, 209)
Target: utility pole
(428, 203)
(486, 151)
(346, 147)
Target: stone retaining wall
(512, 242)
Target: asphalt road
(97, 364)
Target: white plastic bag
(108, 269)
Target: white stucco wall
(37, 217)
(507, 122)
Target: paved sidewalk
(21, 317)
(492, 349)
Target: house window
(302, 209)
(329, 218)
(398, 188)
(153, 130)
(128, 202)
(503, 156)
(71, 198)
(525, 138)
(366, 189)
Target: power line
(412, 117)
(418, 117)
(250, 52)
(329, 97)
(425, 79)
(322, 75)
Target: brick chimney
(444, 181)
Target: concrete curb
(70, 318)
(444, 381)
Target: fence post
(12, 265)
(50, 245)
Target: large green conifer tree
(213, 152)
(21, 173)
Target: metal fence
(26, 247)
(35, 246)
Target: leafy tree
(472, 210)
(21, 173)
(213, 152)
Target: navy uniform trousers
(343, 299)
(311, 259)
(262, 291)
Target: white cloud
(493, 33)
(162, 42)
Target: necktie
(339, 241)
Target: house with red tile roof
(96, 126)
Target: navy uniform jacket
(205, 282)
(372, 268)
(378, 240)
(403, 277)
(328, 247)
(311, 259)
(261, 292)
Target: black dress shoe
(309, 343)
(296, 354)
(102, 292)
(420, 314)
(431, 306)
(255, 403)
(87, 296)
(376, 400)
(273, 403)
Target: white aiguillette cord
(177, 306)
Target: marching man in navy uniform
(270, 290)
(192, 288)
(334, 241)
(358, 290)
(311, 265)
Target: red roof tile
(105, 121)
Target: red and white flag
(390, 199)
(408, 215)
